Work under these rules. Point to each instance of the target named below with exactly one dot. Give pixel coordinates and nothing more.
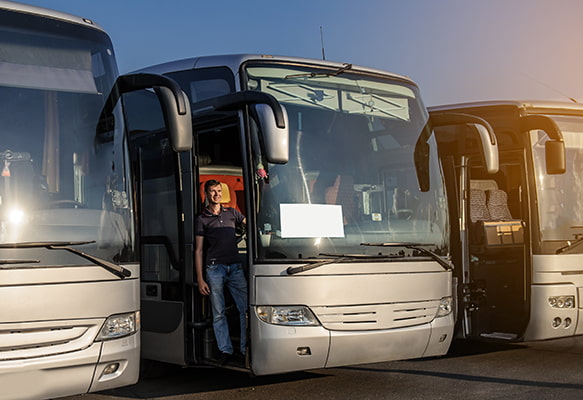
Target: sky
(455, 50)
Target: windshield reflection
(57, 183)
(561, 196)
(351, 177)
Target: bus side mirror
(179, 125)
(421, 157)
(554, 148)
(275, 139)
(555, 157)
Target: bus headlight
(562, 301)
(287, 315)
(445, 306)
(119, 325)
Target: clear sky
(456, 50)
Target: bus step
(499, 335)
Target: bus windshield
(351, 177)
(561, 196)
(58, 184)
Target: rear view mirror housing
(555, 148)
(275, 139)
(555, 157)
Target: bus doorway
(497, 295)
(218, 150)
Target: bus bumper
(288, 348)
(72, 373)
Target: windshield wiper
(115, 269)
(415, 246)
(569, 246)
(316, 74)
(337, 258)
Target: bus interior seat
(493, 228)
(498, 205)
(478, 206)
(478, 199)
(483, 184)
(226, 199)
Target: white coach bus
(347, 258)
(521, 229)
(69, 271)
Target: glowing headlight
(445, 307)
(118, 326)
(287, 315)
(562, 301)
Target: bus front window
(350, 178)
(58, 183)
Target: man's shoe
(239, 357)
(224, 358)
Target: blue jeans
(233, 277)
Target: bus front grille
(376, 316)
(40, 339)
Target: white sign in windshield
(311, 220)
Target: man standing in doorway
(215, 232)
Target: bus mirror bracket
(489, 149)
(481, 127)
(554, 148)
(173, 100)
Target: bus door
(165, 249)
(497, 291)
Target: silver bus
(347, 246)
(520, 253)
(69, 271)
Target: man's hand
(203, 288)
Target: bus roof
(40, 11)
(233, 61)
(527, 106)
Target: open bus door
(176, 319)
(470, 134)
(491, 217)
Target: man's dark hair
(209, 183)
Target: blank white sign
(311, 220)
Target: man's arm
(203, 288)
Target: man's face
(214, 194)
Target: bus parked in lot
(347, 258)
(69, 271)
(521, 229)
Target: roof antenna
(540, 82)
(322, 41)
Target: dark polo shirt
(219, 235)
